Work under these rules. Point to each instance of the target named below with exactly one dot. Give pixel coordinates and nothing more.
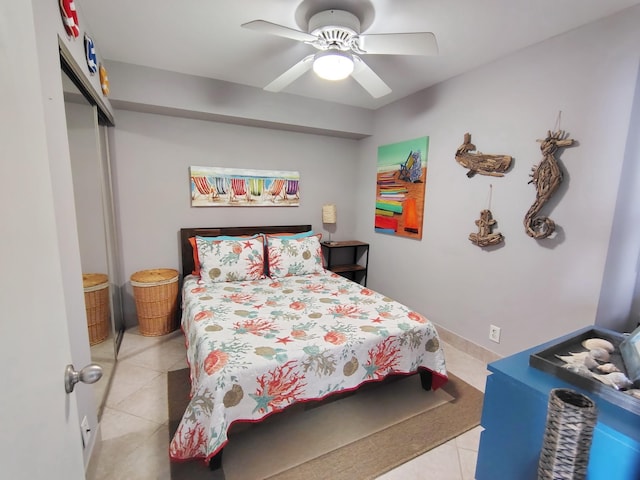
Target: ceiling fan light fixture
(333, 65)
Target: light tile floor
(135, 430)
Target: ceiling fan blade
(278, 30)
(369, 80)
(422, 43)
(291, 75)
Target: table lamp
(329, 216)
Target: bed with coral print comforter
(257, 347)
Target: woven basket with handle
(96, 302)
(156, 295)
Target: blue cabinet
(514, 419)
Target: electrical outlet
(86, 431)
(494, 333)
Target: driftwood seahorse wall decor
(482, 163)
(546, 177)
(484, 237)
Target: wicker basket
(571, 418)
(156, 296)
(96, 302)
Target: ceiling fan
(336, 36)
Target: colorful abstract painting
(400, 189)
(224, 187)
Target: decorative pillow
(294, 256)
(292, 235)
(196, 260)
(231, 259)
(194, 248)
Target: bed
(282, 330)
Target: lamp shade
(333, 64)
(329, 213)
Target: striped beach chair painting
(221, 185)
(276, 189)
(239, 189)
(256, 188)
(202, 187)
(292, 189)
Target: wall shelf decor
(104, 80)
(485, 237)
(482, 163)
(70, 18)
(546, 177)
(90, 54)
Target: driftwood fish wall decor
(546, 177)
(482, 163)
(484, 237)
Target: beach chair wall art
(400, 188)
(234, 187)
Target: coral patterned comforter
(257, 347)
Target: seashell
(617, 380)
(578, 368)
(432, 345)
(574, 357)
(607, 368)
(599, 354)
(591, 343)
(581, 359)
(265, 351)
(233, 396)
(591, 362)
(350, 367)
(587, 358)
(369, 329)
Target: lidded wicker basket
(96, 302)
(156, 295)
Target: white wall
(152, 153)
(534, 290)
(621, 271)
(145, 89)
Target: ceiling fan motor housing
(336, 29)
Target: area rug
(359, 435)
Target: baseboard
(467, 346)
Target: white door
(39, 431)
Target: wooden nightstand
(352, 264)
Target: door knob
(89, 374)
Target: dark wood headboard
(186, 251)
